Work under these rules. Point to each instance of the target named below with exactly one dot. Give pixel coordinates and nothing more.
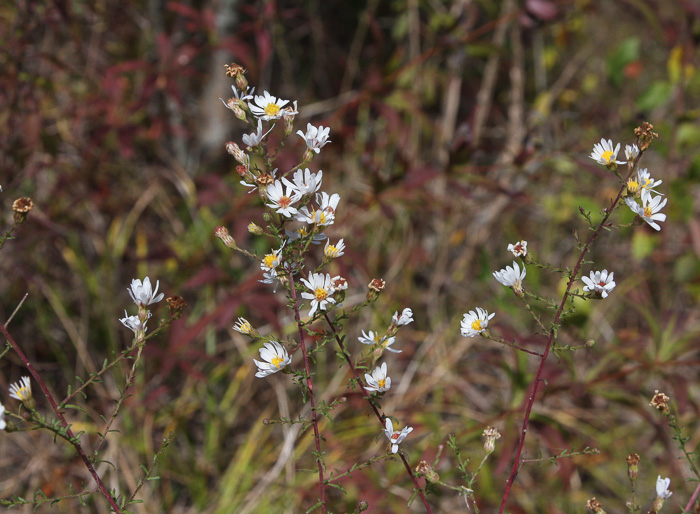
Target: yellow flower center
(382, 383)
(647, 212)
(276, 361)
(632, 186)
(321, 294)
(476, 325)
(331, 251)
(646, 183)
(302, 232)
(272, 109)
(270, 260)
(246, 328)
(607, 156)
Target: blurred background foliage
(457, 127)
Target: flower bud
(255, 229)
(491, 434)
(222, 233)
(632, 465)
(21, 207)
(237, 73)
(237, 153)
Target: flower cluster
(143, 295)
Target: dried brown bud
(660, 401)
(491, 434)
(264, 179)
(595, 506)
(375, 286)
(632, 465)
(237, 73)
(21, 207)
(645, 135)
(175, 304)
(241, 170)
(425, 470)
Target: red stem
(310, 386)
(550, 341)
(62, 418)
(376, 411)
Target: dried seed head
(595, 506)
(175, 304)
(660, 401)
(645, 135)
(21, 207)
(491, 434)
(632, 465)
(237, 73)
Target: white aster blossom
(324, 215)
(396, 437)
(599, 282)
(243, 326)
(378, 380)
(405, 318)
(305, 182)
(254, 138)
(475, 323)
(321, 290)
(2, 407)
(631, 152)
(518, 249)
(643, 183)
(334, 251)
(604, 153)
(134, 323)
(267, 107)
(662, 485)
(275, 357)
(21, 390)
(511, 277)
(373, 338)
(649, 210)
(282, 200)
(272, 260)
(142, 294)
(315, 138)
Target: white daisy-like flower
(272, 260)
(662, 485)
(302, 232)
(134, 323)
(334, 251)
(324, 215)
(396, 437)
(142, 294)
(373, 338)
(604, 153)
(339, 283)
(267, 107)
(243, 326)
(405, 318)
(378, 380)
(649, 210)
(643, 183)
(254, 138)
(282, 200)
(475, 323)
(21, 390)
(599, 282)
(305, 182)
(275, 357)
(631, 152)
(511, 276)
(245, 95)
(315, 138)
(518, 249)
(321, 290)
(2, 407)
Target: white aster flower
(2, 407)
(662, 485)
(243, 326)
(334, 251)
(272, 260)
(519, 249)
(378, 380)
(321, 290)
(267, 107)
(324, 215)
(373, 338)
(405, 318)
(21, 390)
(643, 183)
(603, 153)
(631, 152)
(599, 282)
(396, 437)
(142, 294)
(649, 210)
(305, 182)
(315, 138)
(275, 357)
(134, 323)
(511, 277)
(282, 200)
(475, 323)
(254, 138)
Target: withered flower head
(237, 73)
(222, 233)
(491, 434)
(425, 470)
(660, 401)
(633, 465)
(264, 179)
(175, 304)
(645, 134)
(595, 506)
(21, 207)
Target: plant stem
(379, 415)
(62, 418)
(310, 386)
